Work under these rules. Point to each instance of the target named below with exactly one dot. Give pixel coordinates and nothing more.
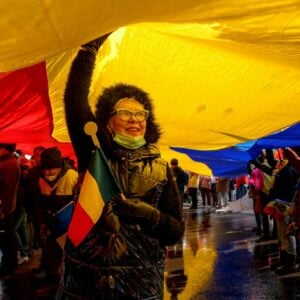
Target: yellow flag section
(209, 92)
(33, 30)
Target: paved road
(219, 258)
(222, 259)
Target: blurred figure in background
(20, 214)
(9, 181)
(180, 176)
(222, 189)
(192, 188)
(256, 185)
(56, 187)
(205, 188)
(241, 184)
(31, 190)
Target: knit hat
(51, 158)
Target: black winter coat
(118, 259)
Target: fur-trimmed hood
(106, 104)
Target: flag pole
(91, 128)
(99, 186)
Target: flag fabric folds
(98, 187)
(279, 210)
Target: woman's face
(133, 126)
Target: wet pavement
(219, 258)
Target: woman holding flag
(129, 208)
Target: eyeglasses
(126, 115)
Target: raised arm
(77, 109)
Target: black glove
(136, 212)
(93, 46)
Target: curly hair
(106, 104)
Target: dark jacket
(139, 272)
(285, 179)
(181, 178)
(9, 180)
(52, 196)
(98, 268)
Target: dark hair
(174, 161)
(107, 101)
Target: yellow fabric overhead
(34, 30)
(219, 72)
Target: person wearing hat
(147, 219)
(56, 183)
(9, 181)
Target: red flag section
(25, 110)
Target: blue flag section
(232, 162)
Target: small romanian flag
(98, 187)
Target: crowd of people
(32, 191)
(273, 184)
(210, 192)
(274, 187)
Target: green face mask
(129, 142)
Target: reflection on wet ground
(220, 258)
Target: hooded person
(147, 219)
(56, 186)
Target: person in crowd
(213, 191)
(192, 188)
(222, 189)
(241, 184)
(36, 155)
(288, 228)
(264, 198)
(256, 185)
(9, 181)
(205, 188)
(282, 182)
(56, 187)
(281, 195)
(20, 216)
(284, 176)
(146, 219)
(294, 160)
(31, 193)
(180, 176)
(232, 190)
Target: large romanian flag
(220, 72)
(98, 187)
